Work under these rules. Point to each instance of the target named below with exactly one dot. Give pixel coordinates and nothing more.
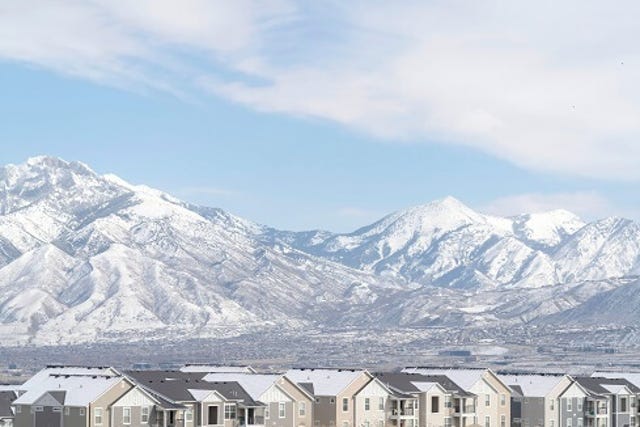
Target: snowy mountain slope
(448, 244)
(111, 260)
(86, 258)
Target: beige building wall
(347, 418)
(376, 415)
(105, 401)
(493, 401)
(551, 403)
(428, 417)
(300, 399)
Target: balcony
(464, 410)
(595, 412)
(405, 412)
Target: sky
(330, 115)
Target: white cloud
(586, 204)
(549, 86)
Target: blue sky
(331, 116)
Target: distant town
(242, 396)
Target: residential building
(212, 368)
(140, 407)
(619, 395)
(534, 398)
(440, 401)
(493, 397)
(378, 405)
(334, 392)
(69, 400)
(287, 403)
(202, 403)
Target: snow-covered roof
(532, 385)
(426, 386)
(217, 368)
(632, 377)
(254, 384)
(200, 395)
(44, 374)
(326, 382)
(616, 388)
(79, 390)
(465, 378)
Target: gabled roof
(178, 386)
(407, 382)
(255, 384)
(599, 385)
(208, 368)
(157, 398)
(465, 378)
(44, 374)
(6, 399)
(532, 385)
(73, 390)
(632, 377)
(326, 382)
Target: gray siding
(574, 414)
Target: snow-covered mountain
(85, 257)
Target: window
(447, 422)
(126, 416)
(487, 421)
(623, 404)
(366, 424)
(332, 400)
(144, 415)
(552, 406)
(345, 424)
(188, 415)
(317, 400)
(435, 404)
(316, 423)
(66, 410)
(381, 404)
(552, 423)
(569, 408)
(38, 409)
(229, 412)
(345, 404)
(281, 410)
(266, 413)
(487, 400)
(579, 422)
(302, 409)
(97, 415)
(579, 405)
(503, 421)
(569, 422)
(367, 404)
(57, 409)
(18, 409)
(447, 401)
(632, 421)
(81, 412)
(503, 399)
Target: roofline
(300, 388)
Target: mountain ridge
(89, 258)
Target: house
(379, 405)
(68, 400)
(209, 403)
(7, 396)
(209, 368)
(614, 409)
(334, 391)
(287, 403)
(493, 402)
(440, 401)
(141, 407)
(534, 398)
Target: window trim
(143, 414)
(124, 408)
(367, 404)
(302, 409)
(282, 410)
(345, 403)
(188, 414)
(98, 412)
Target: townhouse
(493, 403)
(199, 402)
(334, 392)
(64, 399)
(141, 407)
(440, 402)
(286, 403)
(378, 405)
(613, 405)
(534, 398)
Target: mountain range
(91, 258)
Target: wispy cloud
(526, 82)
